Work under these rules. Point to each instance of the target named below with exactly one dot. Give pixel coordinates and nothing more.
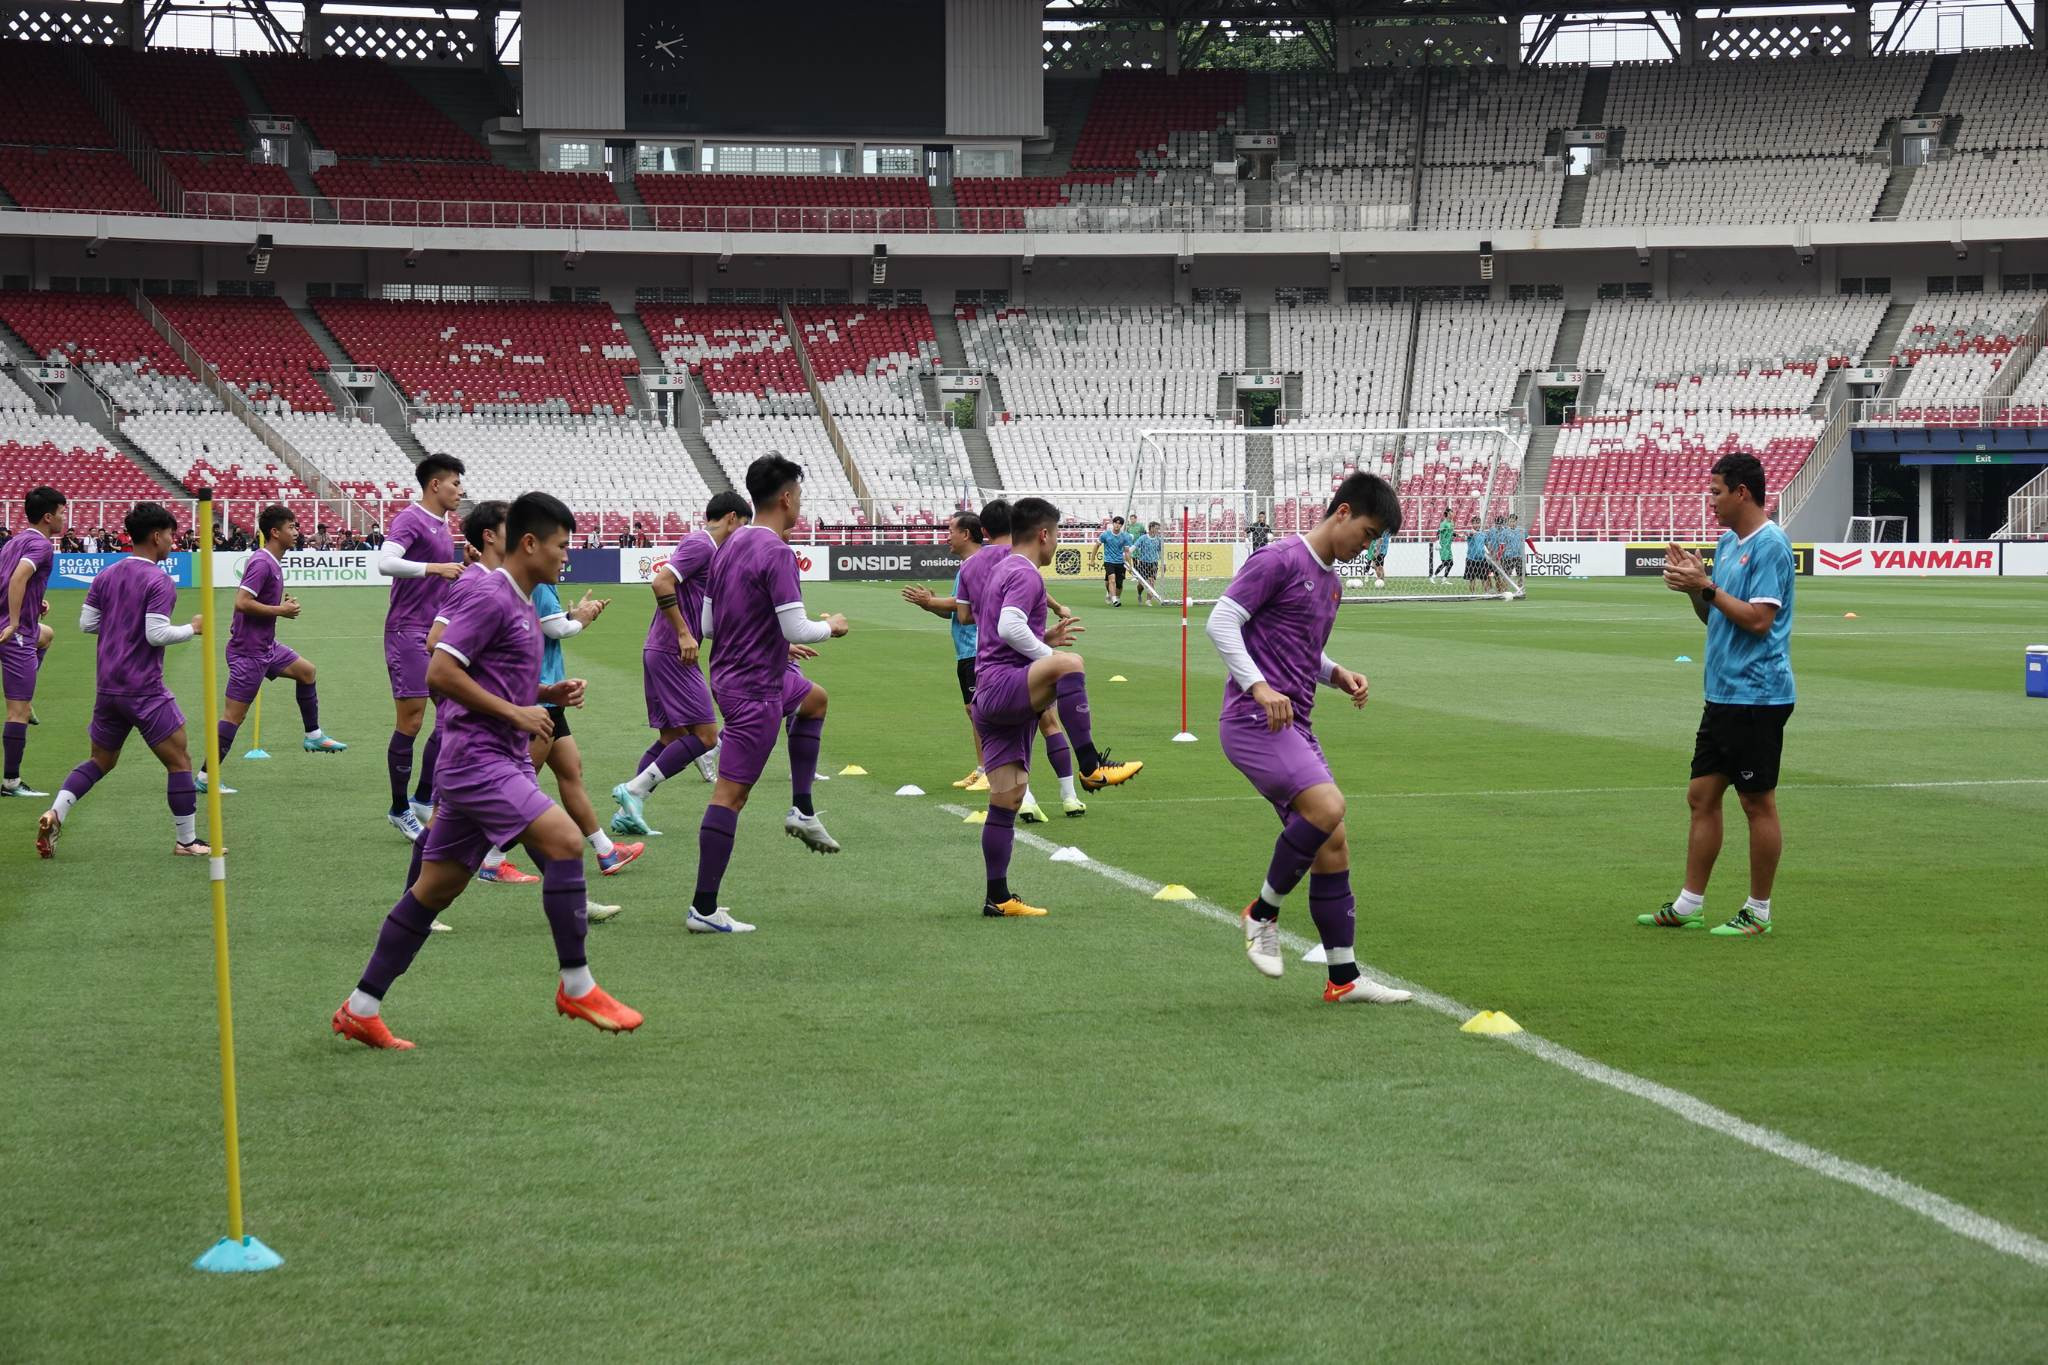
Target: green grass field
(883, 1127)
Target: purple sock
(1335, 913)
(1071, 693)
(653, 755)
(227, 738)
(1293, 851)
(674, 756)
(398, 943)
(81, 779)
(998, 839)
(424, 793)
(413, 865)
(183, 794)
(13, 739)
(714, 851)
(561, 895)
(309, 706)
(805, 734)
(398, 758)
(1060, 754)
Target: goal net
(1208, 493)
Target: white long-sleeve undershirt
(1226, 633)
(89, 620)
(1015, 631)
(560, 627)
(158, 630)
(798, 628)
(395, 565)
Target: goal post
(1284, 477)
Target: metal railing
(1980, 412)
(2026, 512)
(1800, 486)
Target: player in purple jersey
(757, 624)
(24, 636)
(487, 668)
(1271, 627)
(679, 705)
(1022, 668)
(129, 607)
(254, 656)
(419, 558)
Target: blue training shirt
(1745, 669)
(1148, 549)
(965, 638)
(1113, 543)
(1475, 547)
(546, 604)
(1518, 539)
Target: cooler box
(2037, 670)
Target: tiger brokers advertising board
(1078, 562)
(1647, 561)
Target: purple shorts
(157, 717)
(248, 672)
(481, 805)
(677, 696)
(1004, 721)
(405, 659)
(1281, 766)
(18, 665)
(750, 728)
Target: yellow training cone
(1118, 677)
(1850, 616)
(1490, 1021)
(1173, 892)
(978, 817)
(853, 770)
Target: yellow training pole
(237, 1251)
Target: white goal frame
(1876, 531)
(1507, 589)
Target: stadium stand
(829, 497)
(257, 346)
(1106, 361)
(1776, 190)
(359, 107)
(788, 203)
(1474, 197)
(1996, 98)
(202, 449)
(182, 101)
(867, 361)
(103, 336)
(229, 187)
(468, 194)
(1815, 106)
(40, 105)
(2000, 184)
(73, 179)
(1956, 345)
(66, 453)
(1359, 119)
(1350, 358)
(743, 354)
(1152, 120)
(519, 359)
(1486, 116)
(357, 456)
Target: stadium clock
(661, 47)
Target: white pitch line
(1614, 791)
(1955, 1217)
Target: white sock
(186, 826)
(1761, 909)
(643, 785)
(1269, 895)
(1689, 902)
(363, 1006)
(314, 733)
(1067, 792)
(1029, 799)
(63, 804)
(600, 842)
(577, 982)
(494, 858)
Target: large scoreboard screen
(790, 67)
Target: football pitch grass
(885, 1127)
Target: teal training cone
(229, 1257)
(257, 754)
(1683, 659)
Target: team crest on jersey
(1743, 560)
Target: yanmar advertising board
(1647, 561)
(1960, 560)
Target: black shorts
(964, 669)
(561, 720)
(1114, 572)
(1742, 744)
(1149, 572)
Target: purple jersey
(125, 593)
(494, 633)
(1292, 601)
(465, 583)
(418, 535)
(1015, 582)
(752, 574)
(691, 564)
(974, 577)
(263, 579)
(26, 546)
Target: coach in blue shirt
(1746, 603)
(1114, 541)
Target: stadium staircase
(1889, 329)
(644, 349)
(7, 201)
(252, 98)
(1571, 335)
(1593, 98)
(1258, 342)
(471, 101)
(1940, 72)
(83, 399)
(1226, 393)
(1258, 203)
(952, 349)
(707, 463)
(386, 402)
(1066, 109)
(1290, 394)
(1536, 460)
(1408, 365)
(1896, 187)
(943, 200)
(1571, 205)
(628, 190)
(817, 392)
(980, 458)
